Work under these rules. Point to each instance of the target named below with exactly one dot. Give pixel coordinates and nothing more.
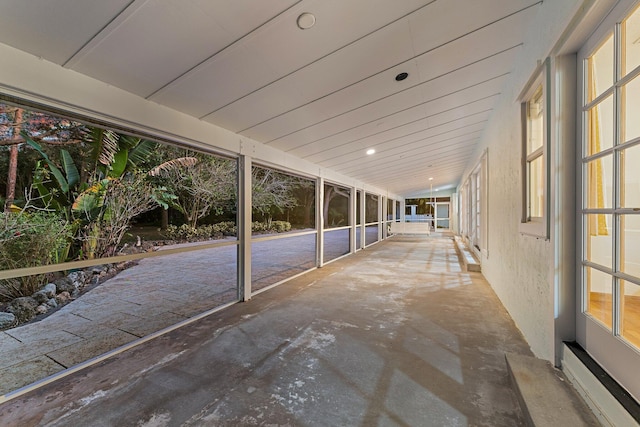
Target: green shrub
(30, 239)
(183, 233)
(280, 226)
(186, 233)
(227, 228)
(270, 227)
(258, 227)
(204, 232)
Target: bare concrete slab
(546, 397)
(467, 258)
(359, 342)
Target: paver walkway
(156, 293)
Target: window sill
(533, 229)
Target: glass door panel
(601, 69)
(599, 295)
(630, 312)
(599, 183)
(631, 107)
(631, 49)
(630, 177)
(630, 244)
(599, 239)
(600, 132)
(442, 216)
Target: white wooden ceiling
(325, 94)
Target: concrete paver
(145, 326)
(104, 339)
(35, 345)
(29, 371)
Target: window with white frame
(476, 209)
(464, 229)
(473, 208)
(534, 160)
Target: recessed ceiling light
(430, 179)
(306, 20)
(371, 151)
(400, 77)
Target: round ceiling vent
(306, 20)
(400, 77)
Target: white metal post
(244, 228)
(381, 199)
(394, 208)
(320, 222)
(403, 210)
(363, 216)
(352, 219)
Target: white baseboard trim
(603, 404)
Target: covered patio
(388, 336)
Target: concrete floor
(154, 294)
(395, 335)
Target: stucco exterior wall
(516, 265)
(520, 268)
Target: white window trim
(468, 215)
(536, 227)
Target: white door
(608, 318)
(442, 216)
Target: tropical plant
(102, 194)
(107, 208)
(15, 122)
(112, 154)
(55, 185)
